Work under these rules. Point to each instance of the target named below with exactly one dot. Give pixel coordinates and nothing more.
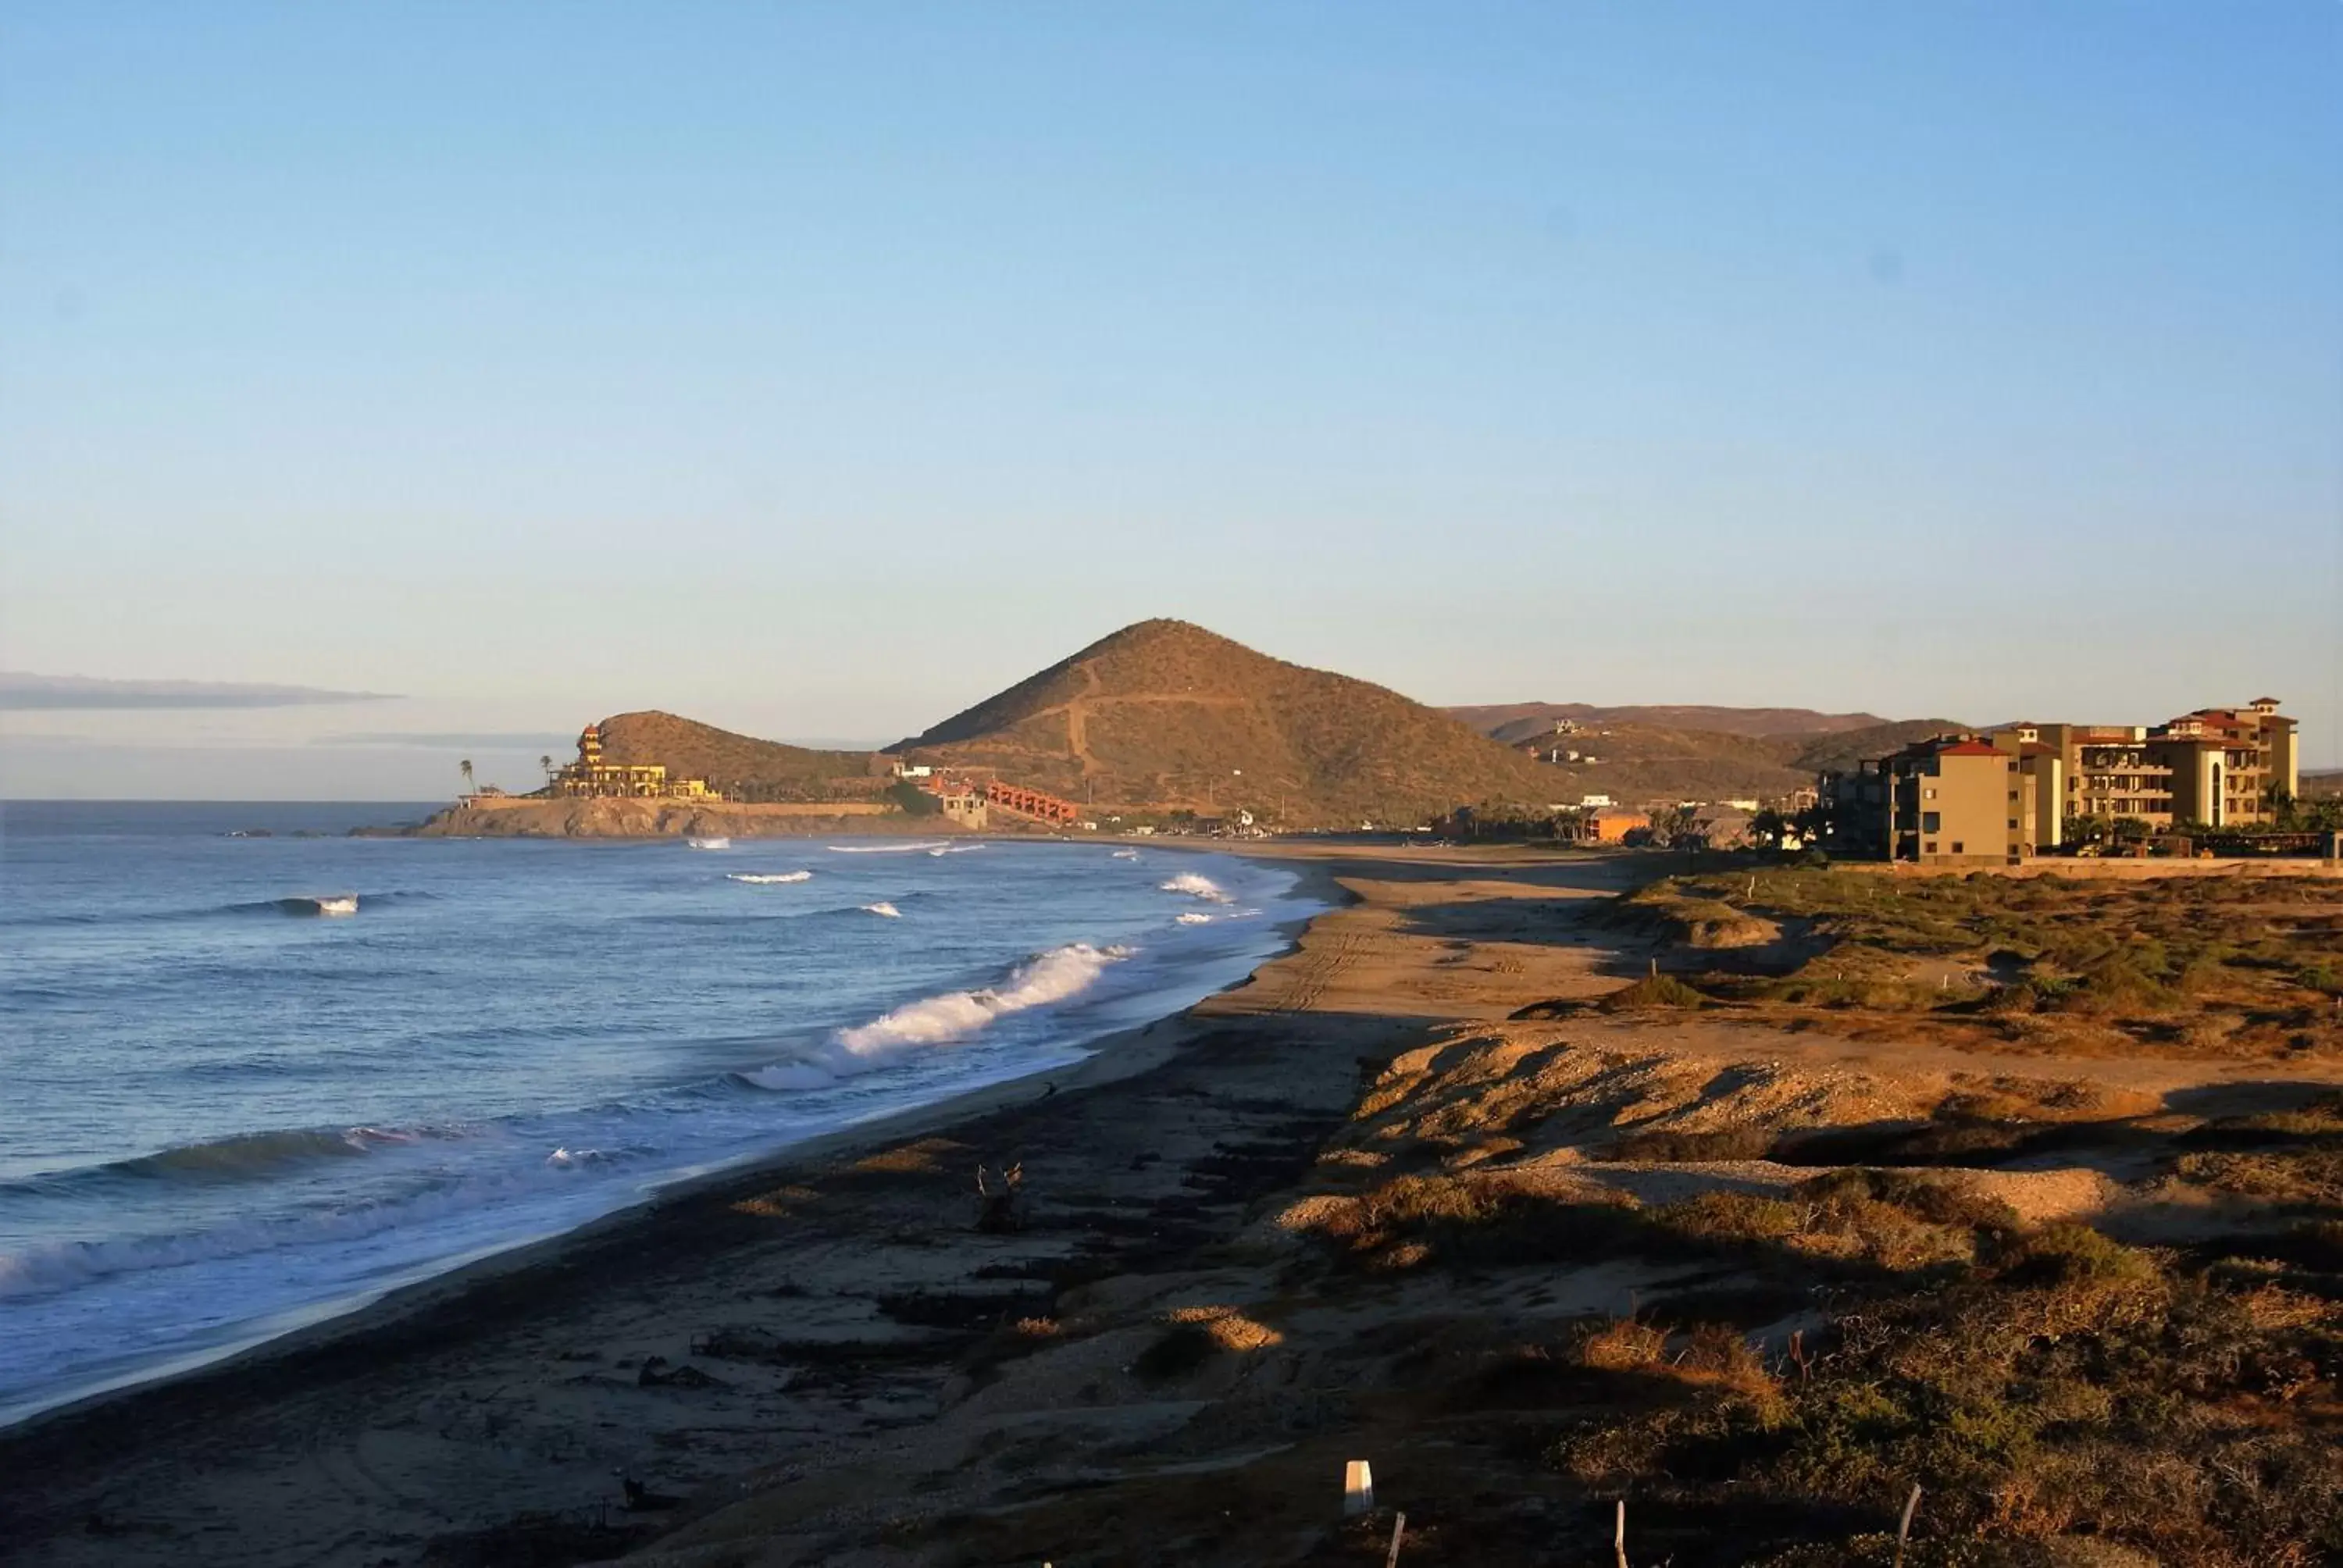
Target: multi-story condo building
(1973, 801)
(2219, 767)
(1955, 800)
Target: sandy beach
(837, 1358)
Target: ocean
(254, 1071)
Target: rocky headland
(522, 817)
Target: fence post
(1619, 1533)
(1399, 1528)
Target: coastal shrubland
(2190, 965)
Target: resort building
(1969, 799)
(592, 776)
(1954, 801)
(2218, 767)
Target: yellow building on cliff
(592, 776)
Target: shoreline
(1371, 1202)
(1116, 1054)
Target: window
(1930, 821)
(1958, 849)
(1927, 794)
(2013, 823)
(2012, 794)
(1929, 847)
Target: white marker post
(1358, 1489)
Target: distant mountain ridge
(1633, 756)
(1164, 715)
(1520, 721)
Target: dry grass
(2181, 965)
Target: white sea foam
(883, 908)
(1126, 854)
(346, 904)
(1055, 976)
(715, 843)
(1194, 917)
(885, 848)
(763, 878)
(1196, 887)
(942, 849)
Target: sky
(818, 369)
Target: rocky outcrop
(616, 818)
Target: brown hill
(1165, 716)
(1810, 754)
(1636, 764)
(1525, 721)
(743, 767)
(1636, 759)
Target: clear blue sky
(819, 369)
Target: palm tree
(546, 763)
(465, 767)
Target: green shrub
(1653, 990)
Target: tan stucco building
(1955, 800)
(1973, 801)
(2219, 766)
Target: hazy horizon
(820, 371)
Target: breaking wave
(1196, 887)
(884, 909)
(762, 879)
(716, 842)
(887, 849)
(1055, 976)
(942, 849)
(1194, 917)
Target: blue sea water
(233, 1100)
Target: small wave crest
(1194, 917)
(54, 1267)
(716, 842)
(305, 906)
(766, 878)
(329, 904)
(243, 1157)
(1196, 887)
(884, 910)
(887, 849)
(942, 849)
